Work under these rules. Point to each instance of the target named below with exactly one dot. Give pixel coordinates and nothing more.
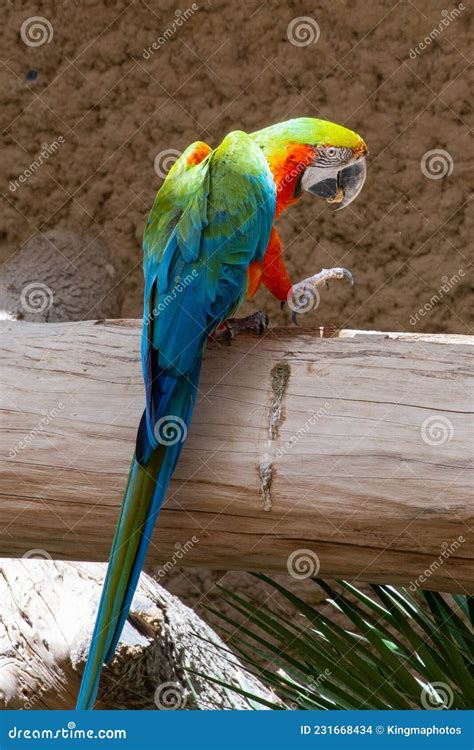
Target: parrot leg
(256, 323)
(304, 295)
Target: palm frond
(396, 650)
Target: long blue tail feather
(146, 488)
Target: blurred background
(98, 99)
(110, 92)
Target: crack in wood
(280, 376)
(266, 477)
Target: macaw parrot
(209, 243)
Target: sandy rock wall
(98, 95)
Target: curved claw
(263, 325)
(347, 274)
(304, 296)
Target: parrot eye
(331, 151)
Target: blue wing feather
(208, 223)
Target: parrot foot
(256, 323)
(304, 295)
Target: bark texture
(348, 455)
(47, 614)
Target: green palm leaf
(397, 650)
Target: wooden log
(48, 611)
(348, 455)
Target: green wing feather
(209, 222)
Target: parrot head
(317, 156)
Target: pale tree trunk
(346, 456)
(349, 456)
(48, 608)
(47, 614)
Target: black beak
(343, 188)
(325, 189)
(352, 180)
